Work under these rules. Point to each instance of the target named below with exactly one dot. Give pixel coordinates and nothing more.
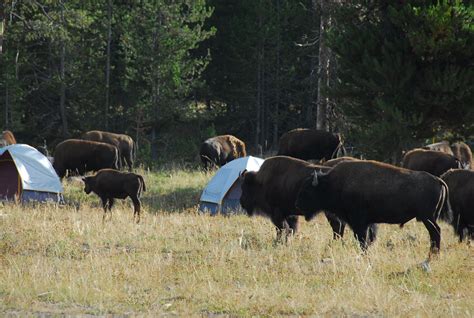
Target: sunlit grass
(64, 260)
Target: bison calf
(461, 198)
(111, 184)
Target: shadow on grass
(175, 201)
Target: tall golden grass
(63, 260)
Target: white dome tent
(27, 175)
(222, 193)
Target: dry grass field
(63, 260)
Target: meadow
(58, 260)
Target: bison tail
(443, 208)
(143, 183)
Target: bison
(431, 161)
(461, 198)
(442, 146)
(273, 189)
(333, 162)
(111, 184)
(306, 144)
(364, 192)
(124, 143)
(220, 150)
(463, 152)
(83, 155)
(7, 138)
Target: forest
(387, 75)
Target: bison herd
(432, 183)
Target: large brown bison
(431, 161)
(336, 161)
(273, 189)
(7, 138)
(365, 192)
(124, 143)
(306, 144)
(442, 146)
(463, 152)
(111, 184)
(461, 197)
(84, 155)
(220, 150)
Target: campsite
(212, 158)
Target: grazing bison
(220, 150)
(273, 190)
(336, 161)
(111, 184)
(7, 138)
(124, 143)
(461, 198)
(463, 152)
(431, 161)
(83, 155)
(442, 146)
(309, 144)
(365, 192)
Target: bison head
(311, 195)
(248, 199)
(88, 183)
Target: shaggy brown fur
(83, 155)
(461, 197)
(431, 161)
(442, 146)
(273, 190)
(336, 161)
(463, 152)
(7, 138)
(365, 192)
(124, 143)
(220, 150)
(309, 144)
(111, 184)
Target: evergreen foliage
(404, 71)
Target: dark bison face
(311, 196)
(87, 184)
(249, 191)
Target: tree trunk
(259, 88)
(3, 23)
(276, 117)
(62, 73)
(323, 69)
(155, 98)
(313, 78)
(107, 67)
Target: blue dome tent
(27, 175)
(222, 193)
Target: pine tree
(403, 72)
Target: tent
(27, 175)
(222, 193)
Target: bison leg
(435, 235)
(292, 222)
(281, 226)
(372, 233)
(136, 208)
(336, 225)
(110, 205)
(360, 233)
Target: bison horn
(314, 183)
